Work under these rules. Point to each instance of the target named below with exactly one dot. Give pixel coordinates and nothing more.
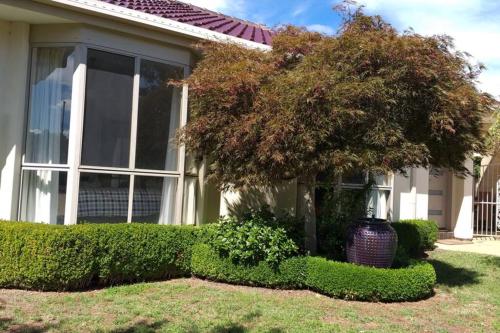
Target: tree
(368, 98)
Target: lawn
(467, 300)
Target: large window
(45, 163)
(129, 157)
(114, 158)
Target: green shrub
(331, 235)
(341, 280)
(416, 236)
(349, 281)
(207, 263)
(293, 226)
(250, 241)
(46, 257)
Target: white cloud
(324, 29)
(300, 9)
(472, 23)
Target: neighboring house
(87, 124)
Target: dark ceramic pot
(371, 242)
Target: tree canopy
(368, 98)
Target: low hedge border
(206, 263)
(48, 257)
(58, 258)
(416, 236)
(336, 279)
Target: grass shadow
(142, 326)
(451, 276)
(491, 261)
(8, 325)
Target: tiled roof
(203, 18)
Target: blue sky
(475, 24)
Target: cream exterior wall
(282, 197)
(410, 195)
(14, 55)
(462, 204)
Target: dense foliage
(416, 236)
(341, 280)
(368, 98)
(252, 240)
(208, 263)
(349, 281)
(338, 208)
(48, 257)
(45, 257)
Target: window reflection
(50, 105)
(159, 116)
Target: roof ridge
(259, 25)
(185, 12)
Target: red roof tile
(199, 17)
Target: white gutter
(119, 12)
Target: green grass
(467, 300)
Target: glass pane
(108, 109)
(358, 178)
(381, 179)
(377, 204)
(154, 200)
(159, 116)
(103, 198)
(43, 196)
(50, 105)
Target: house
(87, 124)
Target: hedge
(416, 236)
(47, 257)
(206, 263)
(340, 280)
(348, 281)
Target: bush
(250, 241)
(331, 235)
(416, 236)
(341, 280)
(47, 257)
(293, 226)
(349, 281)
(207, 263)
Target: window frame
(74, 167)
(374, 188)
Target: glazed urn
(371, 242)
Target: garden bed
(44, 257)
(336, 279)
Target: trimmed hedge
(348, 281)
(207, 263)
(416, 236)
(47, 257)
(341, 280)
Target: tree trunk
(306, 210)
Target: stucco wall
(14, 55)
(282, 197)
(411, 195)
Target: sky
(474, 24)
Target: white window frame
(375, 187)
(74, 168)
